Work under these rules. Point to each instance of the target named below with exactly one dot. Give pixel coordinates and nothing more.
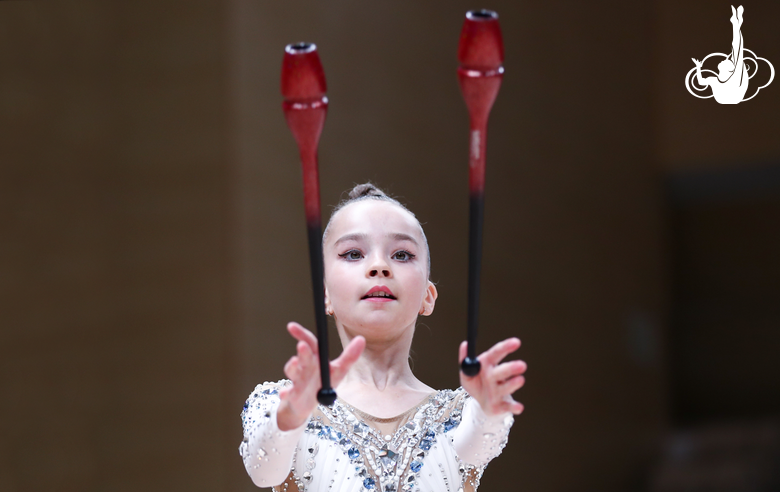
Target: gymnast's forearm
(479, 438)
(267, 451)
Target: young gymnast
(387, 431)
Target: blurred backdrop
(152, 239)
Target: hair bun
(365, 189)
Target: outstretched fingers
(510, 405)
(500, 350)
(302, 334)
(508, 387)
(302, 370)
(292, 369)
(462, 351)
(509, 370)
(307, 358)
(494, 385)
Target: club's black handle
(471, 365)
(326, 396)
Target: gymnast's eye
(402, 255)
(352, 255)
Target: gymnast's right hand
(299, 400)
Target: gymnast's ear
(328, 308)
(429, 300)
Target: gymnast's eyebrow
(350, 237)
(400, 236)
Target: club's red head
(481, 46)
(305, 106)
(302, 75)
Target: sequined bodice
(388, 462)
(338, 450)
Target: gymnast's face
(376, 269)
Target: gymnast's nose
(379, 267)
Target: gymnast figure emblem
(730, 85)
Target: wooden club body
(481, 57)
(305, 107)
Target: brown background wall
(113, 190)
(153, 245)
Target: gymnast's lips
(379, 293)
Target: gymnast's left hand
(496, 381)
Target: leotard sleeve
(267, 451)
(479, 438)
